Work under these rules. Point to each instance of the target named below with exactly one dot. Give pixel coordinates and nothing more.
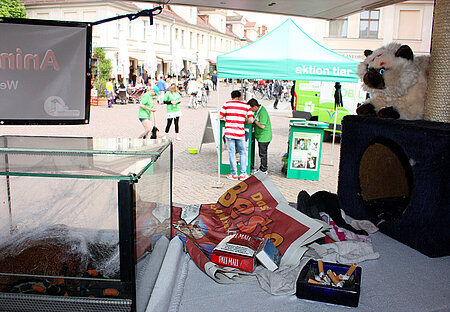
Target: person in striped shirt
(236, 113)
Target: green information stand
(305, 149)
(250, 144)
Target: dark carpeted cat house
(395, 173)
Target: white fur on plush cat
(405, 81)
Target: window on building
(130, 30)
(45, 15)
(89, 16)
(338, 27)
(190, 40)
(144, 29)
(72, 16)
(165, 37)
(409, 24)
(198, 41)
(182, 38)
(369, 23)
(157, 33)
(176, 34)
(203, 39)
(117, 29)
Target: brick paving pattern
(195, 175)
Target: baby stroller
(135, 94)
(122, 95)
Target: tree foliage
(103, 72)
(12, 8)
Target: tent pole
(218, 183)
(334, 134)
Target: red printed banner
(254, 206)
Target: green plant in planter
(103, 72)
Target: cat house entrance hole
(385, 179)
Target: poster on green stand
(305, 151)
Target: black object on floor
(327, 202)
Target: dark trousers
(275, 104)
(169, 123)
(214, 86)
(262, 149)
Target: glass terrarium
(84, 222)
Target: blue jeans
(232, 144)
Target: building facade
(408, 22)
(178, 30)
(200, 34)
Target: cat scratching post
(437, 106)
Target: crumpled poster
(254, 206)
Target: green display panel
(317, 98)
(305, 149)
(250, 144)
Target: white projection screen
(45, 71)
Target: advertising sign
(305, 151)
(44, 72)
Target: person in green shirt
(263, 132)
(145, 110)
(172, 99)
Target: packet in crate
(237, 251)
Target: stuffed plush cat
(396, 81)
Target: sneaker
(232, 177)
(258, 170)
(242, 177)
(178, 139)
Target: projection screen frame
(88, 74)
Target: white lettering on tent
(28, 61)
(312, 70)
(321, 71)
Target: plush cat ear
(405, 52)
(367, 52)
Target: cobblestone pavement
(196, 175)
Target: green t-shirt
(147, 100)
(263, 135)
(169, 96)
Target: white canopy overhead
(325, 9)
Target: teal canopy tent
(286, 53)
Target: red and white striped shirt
(235, 113)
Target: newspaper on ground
(254, 206)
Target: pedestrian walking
(208, 85)
(145, 110)
(172, 99)
(214, 80)
(110, 92)
(235, 114)
(162, 88)
(192, 90)
(263, 132)
(293, 96)
(277, 89)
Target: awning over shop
(286, 53)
